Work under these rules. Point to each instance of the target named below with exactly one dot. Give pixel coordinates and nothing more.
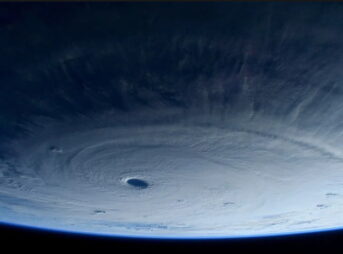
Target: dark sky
(41, 240)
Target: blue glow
(170, 237)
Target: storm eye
(137, 183)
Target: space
(172, 123)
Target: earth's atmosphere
(184, 120)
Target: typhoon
(172, 120)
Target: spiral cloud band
(189, 178)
